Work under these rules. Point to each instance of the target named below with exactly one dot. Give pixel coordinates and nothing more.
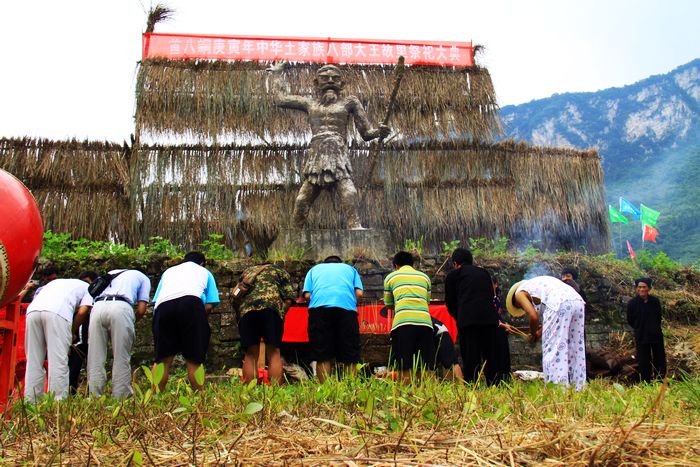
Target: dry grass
(367, 422)
(444, 191)
(80, 187)
(213, 98)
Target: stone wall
(603, 315)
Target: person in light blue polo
(332, 289)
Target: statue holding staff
(328, 163)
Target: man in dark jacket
(644, 315)
(570, 276)
(469, 299)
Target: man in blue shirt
(333, 289)
(184, 297)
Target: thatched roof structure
(208, 99)
(441, 179)
(81, 187)
(439, 191)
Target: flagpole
(619, 235)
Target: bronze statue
(328, 163)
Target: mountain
(648, 135)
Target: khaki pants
(46, 335)
(110, 320)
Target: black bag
(101, 283)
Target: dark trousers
(478, 346)
(652, 361)
(77, 357)
(502, 355)
(298, 353)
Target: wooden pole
(398, 76)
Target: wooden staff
(398, 76)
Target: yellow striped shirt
(408, 291)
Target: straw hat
(514, 310)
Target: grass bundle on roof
(444, 191)
(80, 187)
(209, 99)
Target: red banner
(369, 316)
(306, 49)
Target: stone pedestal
(318, 244)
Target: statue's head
(328, 77)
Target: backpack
(100, 284)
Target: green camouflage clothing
(272, 286)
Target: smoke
(537, 269)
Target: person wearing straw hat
(644, 315)
(560, 309)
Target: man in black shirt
(644, 315)
(469, 299)
(570, 276)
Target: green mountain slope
(648, 135)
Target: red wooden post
(9, 327)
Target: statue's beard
(329, 96)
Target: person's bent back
(333, 289)
(184, 297)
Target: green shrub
(214, 248)
(658, 263)
(486, 246)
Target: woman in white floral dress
(561, 311)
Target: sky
(68, 68)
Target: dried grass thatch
(81, 187)
(157, 14)
(442, 191)
(209, 99)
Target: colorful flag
(629, 208)
(629, 248)
(616, 216)
(650, 233)
(649, 216)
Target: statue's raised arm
(280, 94)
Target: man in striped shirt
(407, 291)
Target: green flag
(616, 216)
(649, 216)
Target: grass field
(364, 421)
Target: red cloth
(439, 311)
(296, 322)
(650, 233)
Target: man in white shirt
(48, 333)
(112, 317)
(184, 297)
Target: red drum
(21, 233)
